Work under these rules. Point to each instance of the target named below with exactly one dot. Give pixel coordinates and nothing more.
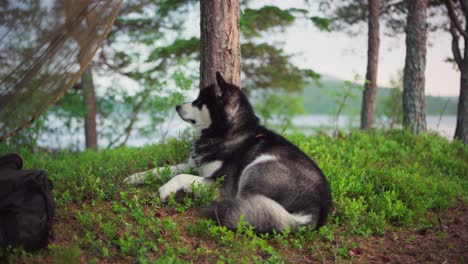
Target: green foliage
(145, 22)
(392, 105)
(389, 178)
(179, 48)
(255, 21)
(266, 66)
(142, 49)
(380, 181)
(65, 254)
(319, 100)
(321, 23)
(352, 15)
(348, 91)
(277, 108)
(119, 112)
(28, 136)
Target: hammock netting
(45, 45)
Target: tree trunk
(90, 105)
(461, 131)
(89, 96)
(220, 45)
(370, 86)
(414, 118)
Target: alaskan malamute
(268, 180)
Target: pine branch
(128, 130)
(464, 5)
(386, 8)
(455, 46)
(454, 18)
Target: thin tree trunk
(370, 86)
(414, 117)
(461, 130)
(220, 45)
(90, 104)
(89, 95)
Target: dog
(268, 182)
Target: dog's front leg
(182, 182)
(140, 177)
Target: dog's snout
(178, 107)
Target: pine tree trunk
(220, 45)
(461, 131)
(90, 105)
(370, 87)
(414, 117)
(89, 96)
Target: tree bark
(220, 44)
(414, 117)
(89, 96)
(461, 130)
(370, 86)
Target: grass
(380, 181)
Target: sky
(343, 56)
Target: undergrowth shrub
(388, 178)
(379, 181)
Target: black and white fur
(268, 180)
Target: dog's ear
(220, 80)
(218, 91)
(220, 85)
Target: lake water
(445, 126)
(308, 124)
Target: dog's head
(218, 107)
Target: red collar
(259, 135)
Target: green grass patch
(380, 181)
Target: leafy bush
(379, 181)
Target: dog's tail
(259, 211)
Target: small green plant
(65, 254)
(392, 109)
(348, 91)
(277, 109)
(380, 182)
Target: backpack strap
(11, 161)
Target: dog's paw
(167, 189)
(163, 194)
(174, 185)
(140, 178)
(136, 179)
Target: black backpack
(26, 205)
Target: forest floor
(398, 198)
(444, 243)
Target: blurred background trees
(150, 62)
(458, 16)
